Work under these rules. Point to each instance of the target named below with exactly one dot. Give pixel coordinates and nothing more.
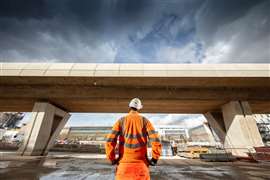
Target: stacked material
(217, 157)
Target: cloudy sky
(135, 31)
(108, 119)
(141, 31)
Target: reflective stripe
(111, 140)
(133, 146)
(154, 140)
(152, 132)
(135, 136)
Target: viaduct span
(227, 94)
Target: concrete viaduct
(227, 95)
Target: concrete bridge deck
(227, 95)
(164, 88)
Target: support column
(236, 127)
(46, 123)
(216, 123)
(242, 132)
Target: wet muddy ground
(96, 168)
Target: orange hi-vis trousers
(132, 171)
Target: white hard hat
(136, 103)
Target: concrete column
(211, 138)
(241, 129)
(216, 123)
(46, 123)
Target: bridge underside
(227, 95)
(112, 94)
(120, 105)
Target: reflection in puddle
(4, 164)
(27, 169)
(59, 175)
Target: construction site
(232, 141)
(78, 153)
(134, 90)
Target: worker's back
(133, 141)
(133, 131)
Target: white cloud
(150, 32)
(108, 119)
(183, 120)
(178, 54)
(218, 52)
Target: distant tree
(10, 119)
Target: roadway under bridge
(227, 94)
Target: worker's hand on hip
(115, 162)
(153, 162)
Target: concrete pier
(216, 122)
(236, 128)
(46, 123)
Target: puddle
(78, 175)
(4, 164)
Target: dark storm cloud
(85, 12)
(131, 31)
(24, 9)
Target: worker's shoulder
(145, 120)
(121, 119)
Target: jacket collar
(133, 112)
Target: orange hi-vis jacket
(133, 132)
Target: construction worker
(174, 148)
(133, 132)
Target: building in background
(84, 134)
(98, 133)
(173, 133)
